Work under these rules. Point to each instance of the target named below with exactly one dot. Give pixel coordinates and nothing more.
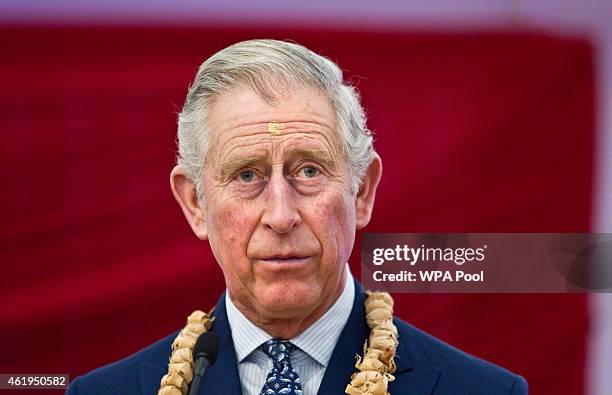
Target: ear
(185, 193)
(364, 201)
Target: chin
(290, 301)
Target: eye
(246, 175)
(309, 171)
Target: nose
(280, 213)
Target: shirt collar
(318, 340)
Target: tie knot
(278, 349)
(282, 378)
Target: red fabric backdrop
(478, 132)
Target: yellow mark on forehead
(275, 128)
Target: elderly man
(276, 169)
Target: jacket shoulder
(123, 377)
(460, 372)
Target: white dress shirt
(314, 346)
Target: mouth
(285, 260)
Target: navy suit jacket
(425, 365)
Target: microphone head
(206, 346)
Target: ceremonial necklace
(374, 369)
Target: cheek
(230, 230)
(234, 221)
(335, 216)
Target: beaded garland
(375, 368)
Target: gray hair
(259, 64)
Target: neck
(288, 328)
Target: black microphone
(205, 353)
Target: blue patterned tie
(282, 379)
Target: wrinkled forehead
(241, 120)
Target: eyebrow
(317, 155)
(229, 166)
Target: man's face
(278, 208)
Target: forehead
(240, 118)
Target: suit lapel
(342, 362)
(222, 377)
(409, 379)
(150, 376)
(420, 381)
